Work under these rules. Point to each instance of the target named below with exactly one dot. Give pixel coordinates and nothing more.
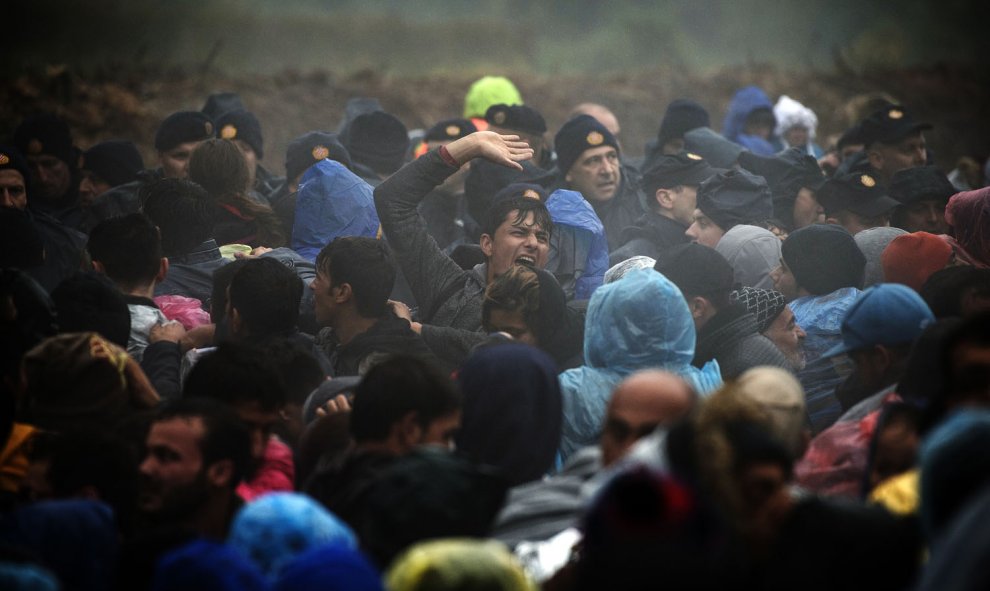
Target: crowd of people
(481, 356)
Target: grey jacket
(449, 297)
(731, 338)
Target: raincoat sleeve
(570, 209)
(429, 271)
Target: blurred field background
(115, 68)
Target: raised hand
(507, 150)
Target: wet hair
(218, 166)
(516, 290)
(394, 388)
(266, 295)
(366, 265)
(183, 211)
(944, 290)
(523, 206)
(129, 248)
(226, 437)
(218, 295)
(236, 374)
(83, 459)
(300, 371)
(89, 302)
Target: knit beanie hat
(696, 270)
(871, 243)
(242, 125)
(115, 161)
(45, 133)
(377, 140)
(824, 258)
(182, 127)
(577, 135)
(764, 304)
(735, 197)
(682, 116)
(911, 259)
(488, 91)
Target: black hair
(129, 248)
(218, 295)
(83, 459)
(945, 289)
(226, 437)
(266, 295)
(300, 371)
(90, 302)
(183, 212)
(365, 264)
(395, 387)
(236, 374)
(523, 206)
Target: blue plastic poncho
(638, 322)
(573, 215)
(745, 101)
(332, 202)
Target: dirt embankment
(121, 103)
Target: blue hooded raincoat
(332, 202)
(745, 101)
(639, 322)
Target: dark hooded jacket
(731, 338)
(650, 235)
(390, 335)
(511, 417)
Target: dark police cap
(581, 133)
(516, 117)
(242, 125)
(45, 133)
(311, 147)
(851, 136)
(735, 197)
(449, 129)
(486, 179)
(695, 269)
(859, 193)
(115, 161)
(220, 103)
(890, 125)
(921, 183)
(786, 173)
(183, 127)
(11, 159)
(686, 168)
(682, 116)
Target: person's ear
(98, 267)
(568, 179)
(344, 293)
(220, 474)
(698, 306)
(410, 433)
(875, 157)
(487, 244)
(664, 199)
(162, 270)
(233, 319)
(831, 219)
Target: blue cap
(885, 314)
